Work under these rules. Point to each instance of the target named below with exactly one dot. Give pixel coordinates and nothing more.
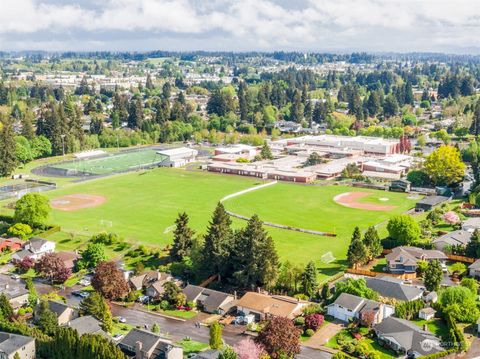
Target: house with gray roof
(404, 259)
(471, 224)
(391, 287)
(35, 248)
(405, 337)
(15, 292)
(142, 344)
(452, 239)
(474, 269)
(86, 325)
(63, 312)
(12, 344)
(208, 300)
(348, 307)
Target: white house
(178, 157)
(427, 313)
(35, 249)
(348, 307)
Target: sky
(241, 25)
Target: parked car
(118, 337)
(143, 299)
(85, 282)
(122, 320)
(15, 276)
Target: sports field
(119, 162)
(142, 207)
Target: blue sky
(241, 25)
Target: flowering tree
(248, 349)
(23, 265)
(314, 321)
(451, 217)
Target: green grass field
(123, 161)
(142, 207)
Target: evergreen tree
(326, 291)
(357, 251)
(6, 310)
(296, 110)
(390, 107)
(433, 275)
(317, 113)
(217, 242)
(309, 279)
(149, 83)
(475, 127)
(135, 113)
(46, 320)
(27, 125)
(215, 335)
(242, 101)
(8, 156)
(95, 305)
(266, 152)
(373, 243)
(182, 238)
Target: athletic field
(142, 207)
(119, 162)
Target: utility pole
(63, 144)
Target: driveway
(324, 334)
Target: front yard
(191, 346)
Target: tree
(228, 353)
(182, 237)
(433, 275)
(475, 127)
(173, 294)
(313, 159)
(20, 230)
(372, 242)
(6, 309)
(218, 239)
(280, 338)
(458, 268)
(314, 321)
(52, 267)
(96, 305)
(356, 287)
(460, 302)
(32, 292)
(243, 102)
(403, 229)
(470, 283)
(32, 209)
(248, 349)
(390, 107)
(215, 335)
(46, 320)
(8, 148)
(266, 152)
(109, 281)
(309, 279)
(326, 291)
(155, 328)
(444, 166)
(92, 255)
(256, 260)
(357, 251)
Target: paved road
(179, 330)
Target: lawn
(436, 326)
(191, 346)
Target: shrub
(309, 332)
(418, 178)
(300, 321)
(164, 305)
(314, 321)
(20, 230)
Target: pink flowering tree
(451, 217)
(248, 349)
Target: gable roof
(408, 335)
(475, 265)
(86, 325)
(454, 238)
(36, 243)
(68, 258)
(391, 287)
(211, 299)
(411, 255)
(10, 343)
(58, 307)
(433, 200)
(151, 342)
(277, 305)
(356, 304)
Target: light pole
(63, 144)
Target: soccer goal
(327, 258)
(105, 223)
(169, 229)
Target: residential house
(208, 354)
(15, 292)
(427, 313)
(348, 307)
(142, 344)
(471, 224)
(208, 300)
(391, 287)
(430, 202)
(146, 279)
(35, 249)
(406, 337)
(64, 313)
(13, 344)
(86, 325)
(69, 259)
(155, 290)
(13, 244)
(474, 269)
(263, 306)
(404, 259)
(452, 239)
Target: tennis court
(119, 162)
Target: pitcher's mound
(74, 202)
(350, 199)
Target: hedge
(439, 354)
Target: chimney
(138, 350)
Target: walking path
(270, 224)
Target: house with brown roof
(13, 244)
(404, 259)
(146, 279)
(263, 306)
(209, 300)
(68, 258)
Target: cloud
(393, 25)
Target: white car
(122, 320)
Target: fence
(21, 188)
(368, 273)
(463, 259)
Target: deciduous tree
(280, 338)
(52, 267)
(444, 166)
(109, 281)
(32, 209)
